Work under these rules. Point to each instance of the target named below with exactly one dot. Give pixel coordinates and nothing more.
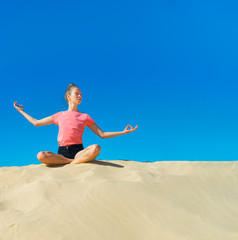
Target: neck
(73, 107)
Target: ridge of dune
(107, 200)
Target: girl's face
(75, 96)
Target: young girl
(71, 126)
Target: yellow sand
(121, 200)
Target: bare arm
(35, 122)
(96, 129)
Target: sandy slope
(121, 200)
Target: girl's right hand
(18, 107)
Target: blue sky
(169, 67)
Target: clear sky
(168, 66)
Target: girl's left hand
(126, 130)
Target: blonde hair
(68, 90)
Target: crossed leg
(86, 155)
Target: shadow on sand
(105, 163)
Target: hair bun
(71, 84)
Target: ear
(69, 97)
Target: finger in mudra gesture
(130, 130)
(18, 107)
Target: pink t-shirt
(71, 126)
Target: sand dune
(107, 200)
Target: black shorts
(70, 151)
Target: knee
(95, 149)
(41, 156)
